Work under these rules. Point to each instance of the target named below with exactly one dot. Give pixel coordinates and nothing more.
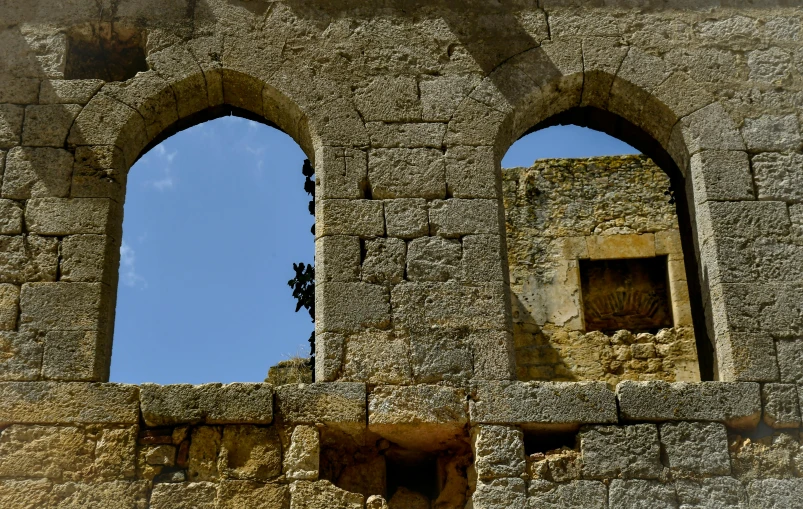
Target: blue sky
(215, 216)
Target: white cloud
(167, 181)
(128, 271)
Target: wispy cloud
(167, 181)
(128, 270)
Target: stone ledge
(241, 403)
(422, 417)
(736, 404)
(535, 405)
(68, 403)
(337, 404)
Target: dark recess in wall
(105, 51)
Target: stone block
(421, 417)
(572, 495)
(37, 173)
(406, 134)
(790, 360)
(781, 405)
(713, 493)
(28, 258)
(68, 403)
(47, 125)
(99, 172)
(81, 495)
(239, 494)
(75, 356)
(772, 133)
(250, 453)
(548, 405)
(55, 216)
(508, 493)
(376, 357)
(10, 216)
(778, 176)
(457, 217)
(351, 307)
(434, 259)
(240, 403)
(775, 493)
(407, 218)
(389, 98)
(721, 176)
(329, 350)
(68, 91)
(442, 94)
(631, 494)
(479, 306)
(407, 173)
(341, 173)
(498, 451)
(338, 405)
(696, 449)
(621, 452)
(363, 218)
(151, 96)
(493, 355)
(440, 354)
(204, 453)
(471, 172)
(89, 259)
(302, 461)
(337, 259)
(11, 117)
(24, 494)
(9, 306)
(15, 90)
(22, 356)
(66, 306)
(749, 219)
(482, 258)
(189, 495)
(607, 247)
(164, 455)
(736, 404)
(383, 262)
(322, 495)
(774, 310)
(46, 451)
(709, 128)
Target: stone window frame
(629, 246)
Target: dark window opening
(631, 294)
(546, 441)
(414, 471)
(105, 51)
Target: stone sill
(351, 407)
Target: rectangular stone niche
(631, 294)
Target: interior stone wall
(406, 109)
(561, 211)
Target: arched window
(598, 277)
(215, 217)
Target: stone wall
(406, 109)
(562, 211)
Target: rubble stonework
(421, 398)
(562, 211)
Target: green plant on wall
(303, 284)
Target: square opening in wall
(631, 294)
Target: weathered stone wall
(562, 211)
(406, 109)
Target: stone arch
(561, 82)
(186, 85)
